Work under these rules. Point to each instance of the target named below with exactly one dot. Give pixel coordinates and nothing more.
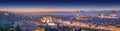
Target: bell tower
(77, 13)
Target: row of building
(112, 15)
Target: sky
(58, 5)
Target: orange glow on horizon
(23, 10)
(38, 10)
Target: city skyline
(59, 15)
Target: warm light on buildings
(36, 22)
(6, 13)
(112, 15)
(79, 17)
(47, 19)
(52, 24)
(102, 15)
(40, 29)
(59, 20)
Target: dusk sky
(59, 5)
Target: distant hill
(87, 13)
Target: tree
(18, 28)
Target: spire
(102, 14)
(77, 13)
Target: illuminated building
(102, 15)
(36, 22)
(4, 13)
(112, 15)
(80, 17)
(59, 20)
(47, 19)
(77, 14)
(40, 29)
(51, 25)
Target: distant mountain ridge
(87, 13)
